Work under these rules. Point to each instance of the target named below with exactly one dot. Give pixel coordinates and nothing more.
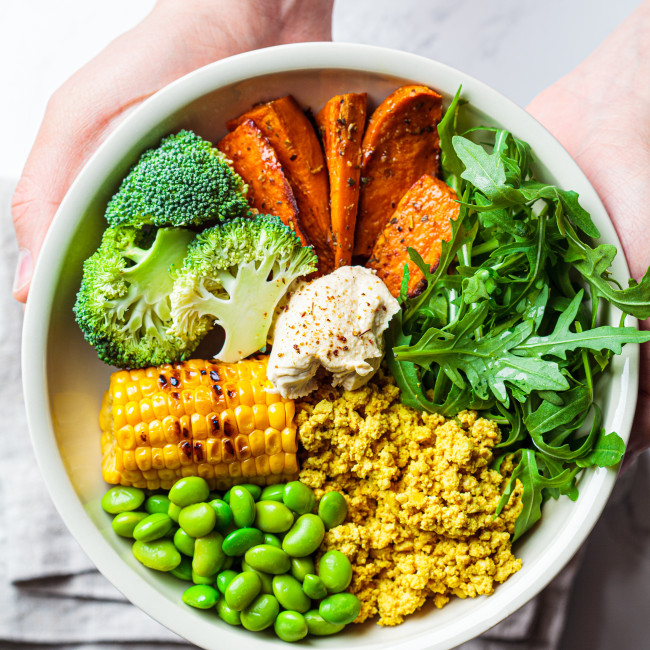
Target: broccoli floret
(184, 181)
(123, 305)
(234, 275)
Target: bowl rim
(278, 59)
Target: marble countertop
(517, 46)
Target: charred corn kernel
(197, 418)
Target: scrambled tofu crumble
(421, 498)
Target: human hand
(600, 112)
(178, 36)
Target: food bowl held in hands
(64, 381)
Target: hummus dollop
(335, 322)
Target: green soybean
(301, 566)
(153, 527)
(160, 555)
(224, 514)
(201, 596)
(224, 579)
(340, 609)
(122, 499)
(174, 511)
(184, 570)
(189, 490)
(261, 613)
(299, 497)
(335, 571)
(273, 493)
(209, 557)
(289, 593)
(239, 541)
(305, 536)
(255, 490)
(242, 505)
(226, 496)
(290, 626)
(228, 614)
(314, 587)
(318, 626)
(272, 517)
(332, 509)
(202, 580)
(272, 540)
(184, 543)
(197, 519)
(157, 503)
(267, 580)
(242, 590)
(268, 559)
(125, 522)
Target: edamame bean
(290, 626)
(272, 540)
(184, 570)
(267, 580)
(255, 490)
(184, 542)
(201, 596)
(202, 580)
(268, 559)
(242, 590)
(301, 566)
(239, 541)
(224, 579)
(314, 587)
(272, 517)
(228, 614)
(197, 519)
(289, 593)
(226, 496)
(299, 497)
(335, 571)
(273, 493)
(125, 522)
(174, 511)
(261, 613)
(305, 536)
(122, 499)
(340, 609)
(332, 509)
(160, 555)
(224, 514)
(153, 527)
(209, 557)
(189, 490)
(318, 626)
(242, 505)
(157, 503)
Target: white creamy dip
(336, 322)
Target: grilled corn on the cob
(197, 418)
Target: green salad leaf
(509, 320)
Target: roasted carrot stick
(298, 149)
(255, 160)
(341, 123)
(400, 144)
(422, 220)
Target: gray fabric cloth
(50, 592)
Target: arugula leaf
(608, 451)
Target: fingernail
(24, 269)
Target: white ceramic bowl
(64, 380)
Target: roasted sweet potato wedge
(422, 220)
(298, 149)
(341, 123)
(255, 160)
(400, 144)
